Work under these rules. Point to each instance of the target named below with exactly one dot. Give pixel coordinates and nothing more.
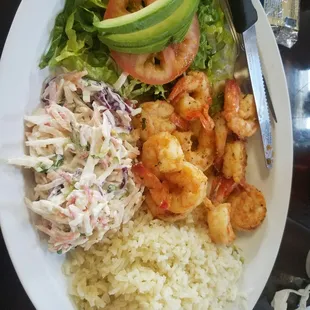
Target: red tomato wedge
(162, 67)
(122, 7)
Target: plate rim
(18, 266)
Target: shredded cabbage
(82, 149)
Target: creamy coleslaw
(81, 148)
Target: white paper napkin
(280, 298)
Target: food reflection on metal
(246, 61)
(241, 70)
(259, 92)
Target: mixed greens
(75, 45)
(74, 42)
(217, 51)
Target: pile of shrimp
(189, 158)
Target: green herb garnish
(111, 188)
(58, 161)
(217, 104)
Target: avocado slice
(153, 14)
(156, 47)
(160, 32)
(180, 35)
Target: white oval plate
(20, 86)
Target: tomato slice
(122, 7)
(162, 67)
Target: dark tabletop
(289, 270)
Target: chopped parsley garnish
(217, 105)
(111, 188)
(58, 161)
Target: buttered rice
(150, 264)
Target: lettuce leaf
(58, 36)
(75, 46)
(217, 50)
(99, 73)
(63, 33)
(100, 3)
(134, 88)
(83, 50)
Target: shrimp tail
(179, 121)
(178, 90)
(231, 98)
(146, 176)
(205, 119)
(221, 189)
(159, 191)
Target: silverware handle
(243, 13)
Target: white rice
(151, 264)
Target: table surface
(289, 270)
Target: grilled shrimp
(136, 5)
(191, 97)
(247, 107)
(195, 127)
(162, 213)
(125, 7)
(235, 161)
(179, 122)
(248, 208)
(162, 153)
(180, 192)
(188, 188)
(201, 155)
(239, 111)
(221, 188)
(221, 132)
(154, 118)
(220, 229)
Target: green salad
(81, 35)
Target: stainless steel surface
(226, 9)
(241, 68)
(243, 77)
(270, 105)
(252, 55)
